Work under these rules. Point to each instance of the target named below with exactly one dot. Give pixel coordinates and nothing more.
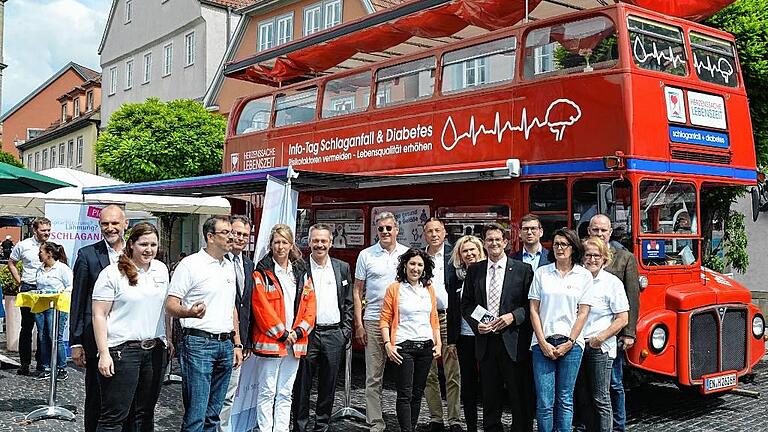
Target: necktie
(494, 291)
(239, 274)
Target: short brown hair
(529, 218)
(40, 221)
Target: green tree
(10, 159)
(747, 20)
(158, 140)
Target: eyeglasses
(590, 257)
(530, 229)
(386, 228)
(561, 245)
(239, 234)
(225, 233)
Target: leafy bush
(10, 287)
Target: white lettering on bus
(722, 67)
(642, 55)
(556, 127)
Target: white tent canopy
(33, 204)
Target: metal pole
(347, 412)
(527, 11)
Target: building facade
(168, 49)
(70, 141)
(41, 108)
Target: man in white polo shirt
(376, 268)
(27, 252)
(202, 295)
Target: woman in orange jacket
(411, 332)
(284, 312)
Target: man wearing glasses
(376, 268)
(202, 294)
(533, 253)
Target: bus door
(612, 197)
(549, 201)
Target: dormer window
(76, 107)
(89, 101)
(64, 112)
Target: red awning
(359, 43)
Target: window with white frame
(167, 59)
(266, 35)
(79, 151)
(64, 112)
(112, 80)
(544, 60)
(475, 72)
(147, 68)
(33, 133)
(29, 161)
(37, 161)
(323, 15)
(76, 107)
(128, 10)
(89, 101)
(70, 153)
(284, 29)
(61, 154)
(52, 152)
(129, 74)
(189, 48)
(45, 159)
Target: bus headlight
(758, 326)
(658, 338)
(643, 282)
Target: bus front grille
(718, 341)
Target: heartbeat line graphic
(450, 137)
(722, 67)
(642, 55)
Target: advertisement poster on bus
(410, 219)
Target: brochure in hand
(482, 315)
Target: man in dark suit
(91, 260)
(333, 331)
(500, 285)
(244, 267)
(533, 253)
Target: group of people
(544, 329)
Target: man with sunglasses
(533, 253)
(376, 268)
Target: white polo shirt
(438, 279)
(288, 283)
(378, 269)
(326, 293)
(609, 299)
(414, 307)
(560, 298)
(203, 278)
(56, 279)
(138, 312)
(27, 252)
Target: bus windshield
(668, 219)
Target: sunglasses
(386, 228)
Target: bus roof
(418, 25)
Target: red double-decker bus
(617, 109)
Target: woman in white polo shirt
(54, 275)
(559, 307)
(129, 324)
(607, 316)
(411, 332)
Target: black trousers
(137, 381)
(25, 333)
(502, 378)
(325, 352)
(92, 410)
(470, 380)
(411, 380)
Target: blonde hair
(456, 254)
(285, 232)
(601, 246)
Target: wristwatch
(571, 339)
(239, 346)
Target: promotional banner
(280, 206)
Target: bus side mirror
(755, 203)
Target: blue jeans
(593, 401)
(44, 322)
(555, 381)
(206, 365)
(617, 393)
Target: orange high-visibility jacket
(269, 331)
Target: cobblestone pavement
(657, 407)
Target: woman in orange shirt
(411, 332)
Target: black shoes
(62, 375)
(43, 375)
(436, 427)
(23, 370)
(455, 428)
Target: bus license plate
(719, 383)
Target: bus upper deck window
(714, 60)
(656, 46)
(295, 108)
(405, 82)
(487, 64)
(255, 115)
(575, 47)
(347, 95)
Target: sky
(41, 36)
